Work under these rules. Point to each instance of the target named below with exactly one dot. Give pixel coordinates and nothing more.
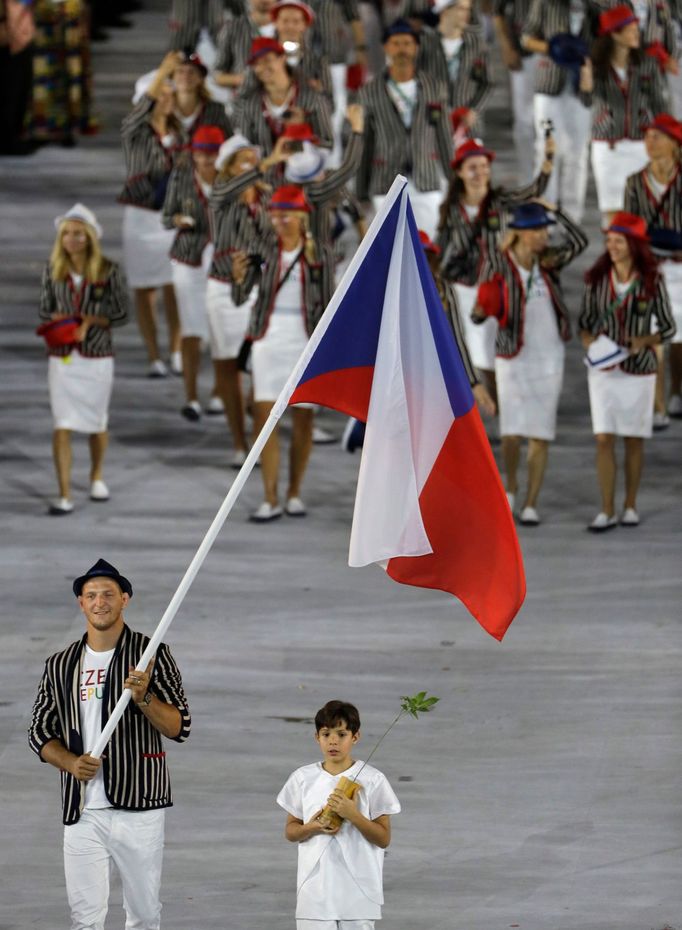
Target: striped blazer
(449, 300)
(237, 226)
(601, 312)
(391, 149)
(511, 323)
(134, 764)
(620, 111)
(234, 44)
(185, 196)
(472, 86)
(640, 199)
(187, 19)
(546, 20)
(331, 33)
(148, 160)
(515, 13)
(107, 297)
(211, 113)
(464, 242)
(251, 119)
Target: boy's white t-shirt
(93, 678)
(339, 876)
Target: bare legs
(146, 319)
(191, 360)
(538, 451)
(228, 388)
(61, 449)
(301, 444)
(606, 470)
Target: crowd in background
(260, 147)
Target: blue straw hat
(530, 216)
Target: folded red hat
(355, 77)
(667, 124)
(627, 224)
(493, 297)
(300, 132)
(262, 46)
(208, 138)
(190, 57)
(616, 18)
(469, 149)
(295, 5)
(429, 246)
(289, 197)
(457, 115)
(58, 333)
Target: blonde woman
(79, 282)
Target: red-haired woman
(625, 293)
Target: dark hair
(456, 191)
(642, 259)
(335, 712)
(602, 49)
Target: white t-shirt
(542, 344)
(451, 50)
(93, 677)
(472, 210)
(76, 278)
(622, 73)
(186, 121)
(576, 16)
(657, 187)
(404, 96)
(289, 296)
(340, 876)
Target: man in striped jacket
(113, 807)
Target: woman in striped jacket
(655, 193)
(522, 291)
(185, 210)
(79, 282)
(151, 134)
(628, 92)
(623, 296)
(472, 220)
(194, 107)
(292, 279)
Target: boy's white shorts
(334, 924)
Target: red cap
(59, 332)
(262, 46)
(208, 138)
(191, 58)
(627, 224)
(456, 117)
(616, 18)
(429, 246)
(493, 297)
(355, 77)
(469, 149)
(667, 124)
(295, 5)
(300, 132)
(289, 197)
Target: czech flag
(430, 507)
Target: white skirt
(528, 397)
(612, 166)
(146, 248)
(190, 285)
(621, 404)
(227, 323)
(479, 337)
(80, 391)
(273, 357)
(672, 273)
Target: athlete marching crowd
(258, 150)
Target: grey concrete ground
(543, 793)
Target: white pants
(130, 840)
(522, 86)
(425, 205)
(572, 124)
(339, 73)
(334, 925)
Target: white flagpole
(235, 490)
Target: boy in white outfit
(339, 885)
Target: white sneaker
(215, 406)
(176, 363)
(321, 437)
(661, 422)
(675, 406)
(265, 513)
(99, 491)
(529, 516)
(238, 458)
(602, 522)
(60, 506)
(630, 517)
(511, 500)
(295, 507)
(157, 369)
(192, 411)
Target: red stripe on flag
(346, 390)
(476, 553)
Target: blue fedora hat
(399, 28)
(103, 569)
(530, 216)
(568, 51)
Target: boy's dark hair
(335, 712)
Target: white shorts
(227, 323)
(146, 248)
(80, 391)
(621, 404)
(479, 337)
(130, 840)
(528, 398)
(672, 273)
(190, 284)
(612, 166)
(273, 357)
(334, 924)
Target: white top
(91, 691)
(657, 187)
(620, 287)
(340, 876)
(471, 210)
(206, 188)
(621, 72)
(542, 345)
(404, 96)
(451, 49)
(76, 278)
(576, 16)
(289, 298)
(187, 121)
(641, 8)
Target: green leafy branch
(417, 704)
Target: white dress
(339, 877)
(227, 322)
(529, 384)
(479, 337)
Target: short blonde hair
(95, 263)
